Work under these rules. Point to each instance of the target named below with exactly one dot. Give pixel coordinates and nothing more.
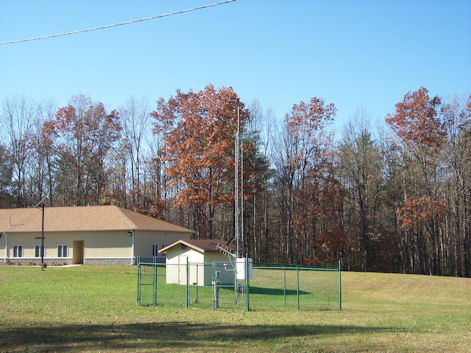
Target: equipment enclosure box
(241, 268)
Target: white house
(83, 235)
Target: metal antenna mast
(236, 211)
(236, 192)
(242, 197)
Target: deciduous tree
(198, 130)
(84, 135)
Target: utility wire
(117, 24)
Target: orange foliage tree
(198, 131)
(416, 213)
(415, 120)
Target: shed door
(182, 260)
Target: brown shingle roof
(145, 222)
(81, 218)
(202, 245)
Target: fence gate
(147, 284)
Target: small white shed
(203, 258)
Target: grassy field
(93, 309)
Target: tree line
(397, 200)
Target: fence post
(154, 284)
(212, 282)
(297, 283)
(284, 285)
(154, 287)
(215, 283)
(197, 282)
(340, 284)
(138, 284)
(187, 284)
(247, 302)
(236, 285)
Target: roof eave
(166, 230)
(181, 241)
(93, 230)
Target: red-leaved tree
(198, 131)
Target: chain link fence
(214, 286)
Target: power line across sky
(116, 24)
(354, 54)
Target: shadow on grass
(262, 290)
(275, 291)
(176, 335)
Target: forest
(392, 199)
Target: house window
(62, 251)
(17, 251)
(37, 249)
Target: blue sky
(352, 53)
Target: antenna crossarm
(225, 250)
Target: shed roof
(83, 218)
(201, 245)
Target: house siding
(144, 240)
(100, 247)
(67, 261)
(97, 244)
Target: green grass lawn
(93, 309)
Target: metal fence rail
(214, 286)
